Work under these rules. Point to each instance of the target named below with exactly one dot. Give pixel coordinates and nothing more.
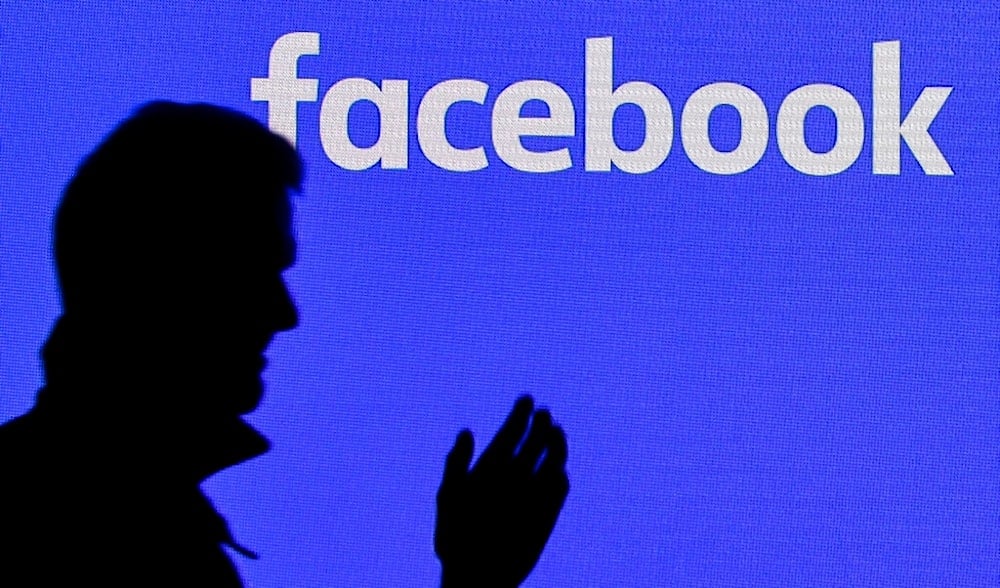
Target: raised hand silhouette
(495, 519)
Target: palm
(494, 520)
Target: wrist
(452, 577)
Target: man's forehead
(288, 247)
(266, 246)
(258, 257)
(288, 253)
(275, 247)
(275, 241)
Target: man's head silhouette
(170, 243)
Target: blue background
(766, 379)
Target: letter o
(753, 128)
(791, 129)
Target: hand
(495, 519)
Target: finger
(550, 493)
(553, 495)
(503, 444)
(552, 481)
(534, 444)
(456, 466)
(555, 455)
(552, 473)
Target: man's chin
(236, 392)
(227, 442)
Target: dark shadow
(170, 243)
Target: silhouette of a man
(170, 243)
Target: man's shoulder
(19, 464)
(52, 514)
(15, 425)
(16, 440)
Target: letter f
(282, 89)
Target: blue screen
(774, 366)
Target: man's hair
(170, 186)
